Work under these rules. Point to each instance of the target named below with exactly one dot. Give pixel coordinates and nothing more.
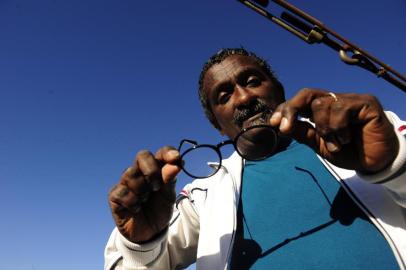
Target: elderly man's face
(240, 94)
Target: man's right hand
(142, 201)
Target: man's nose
(244, 97)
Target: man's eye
(253, 81)
(223, 97)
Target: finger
(322, 117)
(332, 119)
(320, 108)
(134, 180)
(276, 119)
(169, 173)
(150, 168)
(168, 154)
(331, 115)
(302, 101)
(332, 144)
(286, 114)
(340, 123)
(121, 198)
(283, 118)
(171, 157)
(344, 136)
(305, 133)
(130, 173)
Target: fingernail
(332, 147)
(173, 154)
(276, 117)
(284, 124)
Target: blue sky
(86, 84)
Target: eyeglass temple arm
(313, 31)
(182, 142)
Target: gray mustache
(240, 115)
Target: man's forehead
(229, 67)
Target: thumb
(169, 172)
(170, 158)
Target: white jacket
(205, 217)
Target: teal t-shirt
(293, 214)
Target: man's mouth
(261, 118)
(257, 113)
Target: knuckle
(338, 125)
(137, 184)
(285, 111)
(370, 102)
(125, 197)
(128, 173)
(127, 176)
(305, 91)
(286, 107)
(122, 191)
(165, 149)
(112, 191)
(311, 93)
(317, 104)
(117, 194)
(143, 154)
(323, 130)
(369, 99)
(337, 106)
(147, 164)
(280, 107)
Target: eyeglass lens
(196, 161)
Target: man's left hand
(350, 130)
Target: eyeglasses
(204, 160)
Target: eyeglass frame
(216, 148)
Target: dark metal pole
(312, 31)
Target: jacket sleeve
(175, 248)
(393, 178)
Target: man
(290, 211)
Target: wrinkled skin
(351, 132)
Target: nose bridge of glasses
(223, 143)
